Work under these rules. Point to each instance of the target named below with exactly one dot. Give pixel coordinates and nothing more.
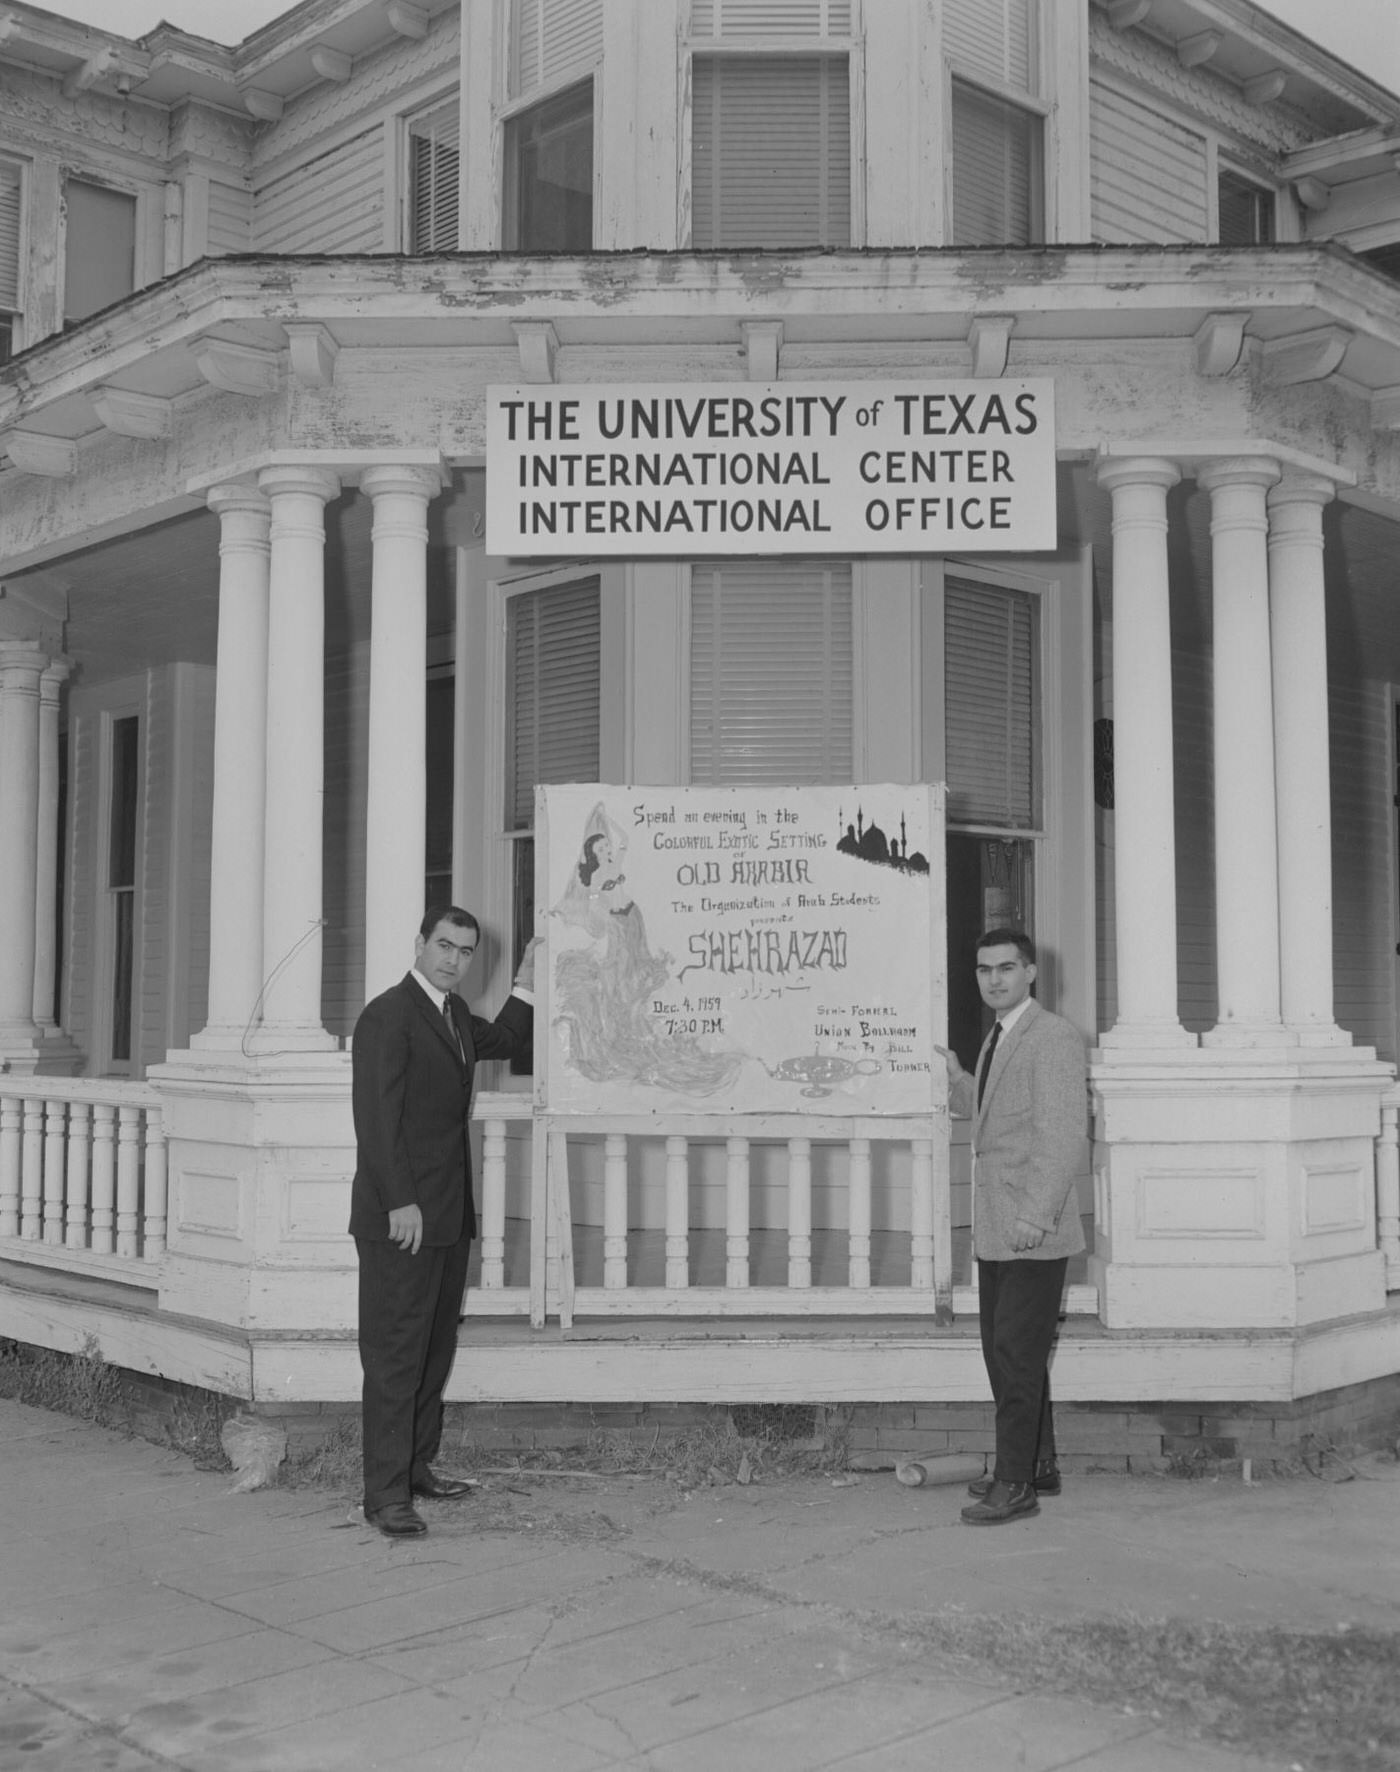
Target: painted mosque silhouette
(869, 843)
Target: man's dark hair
(448, 913)
(1008, 938)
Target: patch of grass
(1330, 1703)
(334, 1462)
(82, 1384)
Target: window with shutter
(551, 39)
(553, 715)
(11, 216)
(1246, 211)
(993, 38)
(998, 181)
(771, 673)
(771, 151)
(549, 175)
(433, 156)
(991, 698)
(99, 248)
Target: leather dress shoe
(1045, 1482)
(1002, 1502)
(396, 1519)
(435, 1488)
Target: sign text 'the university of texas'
(887, 467)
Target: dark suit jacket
(1029, 1137)
(412, 1096)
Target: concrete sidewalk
(151, 1618)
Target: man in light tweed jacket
(1028, 1107)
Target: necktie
(985, 1068)
(452, 1033)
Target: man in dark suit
(411, 1210)
(1029, 1115)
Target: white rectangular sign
(740, 950)
(837, 468)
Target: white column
(1144, 807)
(46, 858)
(396, 804)
(1298, 623)
(1246, 819)
(22, 664)
(295, 771)
(240, 766)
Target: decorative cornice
(130, 414)
(1385, 409)
(1219, 342)
(538, 344)
(1305, 356)
(763, 343)
(35, 452)
(313, 351)
(405, 18)
(331, 64)
(267, 107)
(30, 101)
(1202, 94)
(989, 336)
(238, 369)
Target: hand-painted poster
(741, 950)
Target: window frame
(103, 1019)
(510, 118)
(141, 258)
(1032, 105)
(407, 131)
(1223, 167)
(16, 315)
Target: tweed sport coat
(1029, 1138)
(412, 1097)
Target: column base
(1140, 1041)
(21, 1048)
(1263, 1036)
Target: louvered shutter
(771, 673)
(553, 653)
(551, 39)
(737, 19)
(990, 705)
(11, 191)
(996, 171)
(432, 197)
(771, 151)
(995, 38)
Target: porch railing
(83, 1174)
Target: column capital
(238, 495)
(401, 477)
(300, 477)
(21, 658)
(1296, 487)
(1238, 470)
(1137, 470)
(55, 672)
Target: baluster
(128, 1179)
(31, 1222)
(921, 1216)
(615, 1212)
(736, 1213)
(104, 1176)
(677, 1214)
(76, 1184)
(1388, 1192)
(858, 1209)
(55, 1128)
(493, 1205)
(153, 1231)
(799, 1212)
(11, 1114)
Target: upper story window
(99, 259)
(997, 122)
(549, 174)
(433, 157)
(1246, 211)
(11, 222)
(771, 151)
(770, 147)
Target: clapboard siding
(1363, 923)
(1147, 172)
(343, 848)
(230, 219)
(334, 203)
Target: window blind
(99, 248)
(771, 673)
(771, 151)
(553, 657)
(996, 171)
(11, 189)
(432, 199)
(990, 705)
(551, 39)
(770, 18)
(995, 38)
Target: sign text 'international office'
(781, 468)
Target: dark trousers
(1019, 1307)
(410, 1306)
